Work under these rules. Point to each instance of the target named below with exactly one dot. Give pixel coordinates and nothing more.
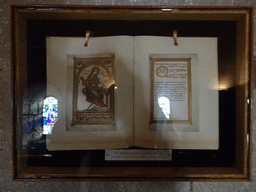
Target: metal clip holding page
(87, 35)
(175, 37)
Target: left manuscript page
(94, 89)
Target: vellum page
(62, 53)
(186, 77)
(91, 92)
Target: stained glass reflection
(50, 114)
(164, 104)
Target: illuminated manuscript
(125, 91)
(171, 90)
(93, 94)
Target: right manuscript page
(176, 93)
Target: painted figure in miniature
(93, 90)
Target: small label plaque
(138, 155)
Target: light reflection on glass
(223, 85)
(164, 104)
(50, 114)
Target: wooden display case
(233, 26)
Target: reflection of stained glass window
(50, 114)
(164, 104)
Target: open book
(125, 91)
